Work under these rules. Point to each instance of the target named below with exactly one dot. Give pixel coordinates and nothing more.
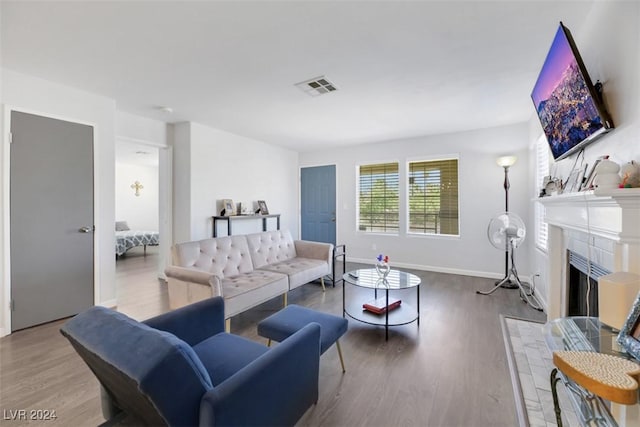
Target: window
(378, 198)
(542, 170)
(433, 197)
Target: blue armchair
(182, 369)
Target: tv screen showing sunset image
(563, 101)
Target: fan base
(509, 284)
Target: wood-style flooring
(451, 370)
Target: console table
(231, 219)
(587, 334)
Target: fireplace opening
(583, 299)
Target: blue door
(318, 203)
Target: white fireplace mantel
(609, 221)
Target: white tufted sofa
(246, 270)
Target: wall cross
(137, 186)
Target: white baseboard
(3, 332)
(112, 303)
(436, 269)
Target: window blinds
(542, 170)
(433, 197)
(378, 198)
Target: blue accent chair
(182, 369)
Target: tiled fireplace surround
(601, 225)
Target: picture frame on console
(262, 205)
(629, 336)
(229, 207)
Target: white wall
(140, 212)
(141, 129)
(37, 96)
(180, 139)
(481, 196)
(609, 43)
(211, 165)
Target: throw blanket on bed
(126, 240)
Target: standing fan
(506, 232)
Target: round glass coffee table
(396, 280)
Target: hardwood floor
(449, 371)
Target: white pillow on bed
(122, 226)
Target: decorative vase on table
(382, 266)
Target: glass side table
(583, 334)
(396, 280)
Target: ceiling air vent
(317, 86)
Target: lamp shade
(616, 294)
(506, 161)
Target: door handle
(333, 219)
(87, 229)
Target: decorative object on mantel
(607, 175)
(574, 182)
(590, 176)
(630, 174)
(551, 186)
(382, 265)
(137, 187)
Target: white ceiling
(403, 69)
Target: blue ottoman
(292, 318)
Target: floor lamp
(506, 162)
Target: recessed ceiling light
(166, 110)
(316, 86)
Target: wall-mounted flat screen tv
(569, 107)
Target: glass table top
(582, 334)
(369, 278)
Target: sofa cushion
(224, 354)
(270, 247)
(250, 289)
(222, 256)
(299, 270)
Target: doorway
(148, 163)
(137, 192)
(51, 219)
(318, 203)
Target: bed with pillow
(127, 238)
